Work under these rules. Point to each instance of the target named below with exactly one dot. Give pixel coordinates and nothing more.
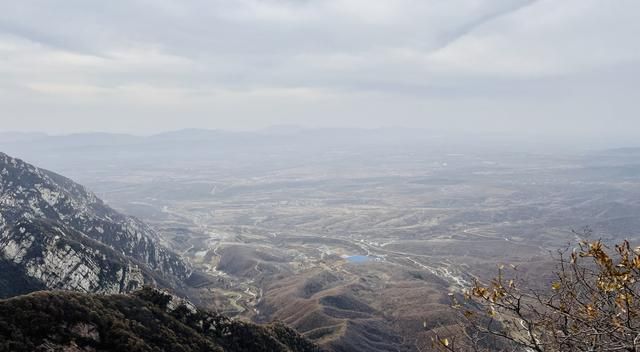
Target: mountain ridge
(62, 236)
(144, 321)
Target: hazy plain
(353, 237)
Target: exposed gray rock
(64, 237)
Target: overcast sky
(558, 67)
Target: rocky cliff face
(55, 234)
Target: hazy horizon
(16, 142)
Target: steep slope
(147, 320)
(55, 234)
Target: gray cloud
(559, 68)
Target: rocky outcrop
(57, 233)
(59, 261)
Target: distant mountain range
(63, 153)
(275, 135)
(77, 155)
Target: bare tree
(592, 304)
